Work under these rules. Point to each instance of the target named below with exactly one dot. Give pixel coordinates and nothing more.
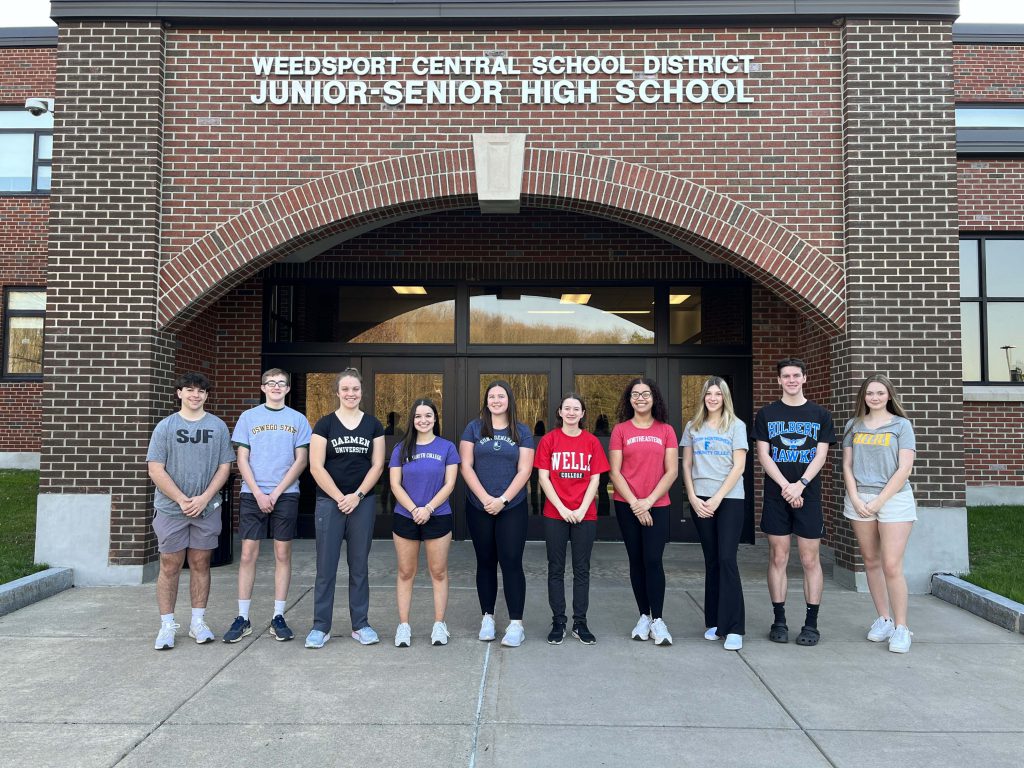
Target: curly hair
(624, 410)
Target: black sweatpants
(645, 546)
(723, 594)
(558, 533)
(499, 539)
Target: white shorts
(901, 508)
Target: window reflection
(710, 314)
(1006, 341)
(969, 268)
(565, 315)
(970, 334)
(1004, 268)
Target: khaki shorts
(901, 508)
(174, 533)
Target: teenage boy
(793, 435)
(272, 441)
(189, 461)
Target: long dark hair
(486, 427)
(409, 441)
(624, 411)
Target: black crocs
(808, 636)
(779, 633)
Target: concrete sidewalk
(82, 685)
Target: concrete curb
(31, 589)
(994, 608)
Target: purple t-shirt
(423, 477)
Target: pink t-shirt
(572, 462)
(643, 457)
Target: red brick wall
(24, 73)
(993, 454)
(988, 72)
(990, 192)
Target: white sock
(166, 618)
(243, 608)
(515, 621)
(279, 606)
(198, 614)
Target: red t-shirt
(643, 457)
(571, 461)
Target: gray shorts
(281, 523)
(174, 533)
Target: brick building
(565, 194)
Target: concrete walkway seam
(990, 606)
(479, 707)
(33, 588)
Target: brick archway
(368, 196)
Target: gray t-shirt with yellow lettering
(876, 452)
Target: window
(26, 150)
(24, 310)
(992, 309)
(990, 129)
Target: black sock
(780, 612)
(812, 616)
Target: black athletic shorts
(407, 528)
(280, 525)
(780, 519)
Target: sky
(35, 13)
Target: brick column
(903, 268)
(107, 368)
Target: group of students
(190, 456)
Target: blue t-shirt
(496, 459)
(271, 435)
(423, 476)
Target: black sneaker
(279, 629)
(239, 628)
(557, 633)
(582, 633)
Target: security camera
(38, 107)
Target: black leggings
(645, 546)
(499, 539)
(723, 593)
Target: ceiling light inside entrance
(574, 298)
(678, 298)
(410, 290)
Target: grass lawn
(996, 537)
(18, 489)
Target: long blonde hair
(893, 406)
(700, 416)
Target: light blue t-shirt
(712, 457)
(271, 437)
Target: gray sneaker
(365, 635)
(900, 640)
(165, 638)
(439, 634)
(881, 630)
(403, 636)
(200, 632)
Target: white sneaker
(200, 632)
(514, 635)
(711, 633)
(487, 628)
(365, 635)
(659, 632)
(403, 636)
(165, 638)
(733, 642)
(881, 630)
(900, 640)
(642, 630)
(439, 634)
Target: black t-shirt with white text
(793, 433)
(349, 451)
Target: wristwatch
(361, 495)
(504, 501)
(805, 481)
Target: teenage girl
(570, 461)
(497, 458)
(424, 467)
(878, 456)
(346, 458)
(715, 448)
(644, 460)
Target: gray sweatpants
(331, 528)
